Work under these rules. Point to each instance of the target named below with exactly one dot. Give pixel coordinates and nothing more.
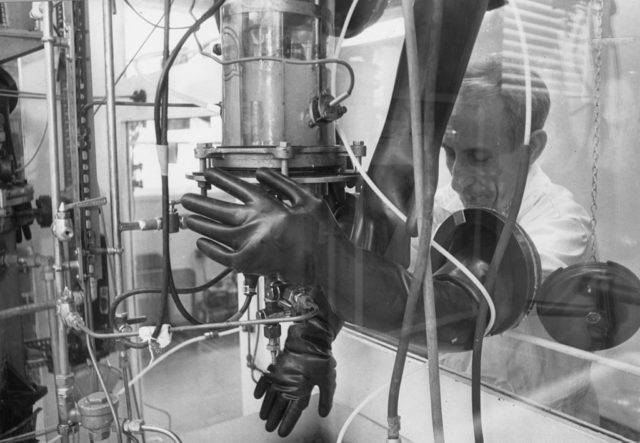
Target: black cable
(166, 265)
(161, 140)
(163, 80)
(176, 300)
(243, 308)
(125, 295)
(481, 322)
(160, 117)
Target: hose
(503, 240)
(496, 260)
(27, 309)
(161, 140)
(160, 116)
(122, 297)
(425, 188)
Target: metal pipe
(206, 326)
(27, 309)
(50, 295)
(48, 39)
(107, 12)
(162, 431)
(124, 367)
(63, 378)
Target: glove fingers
(225, 212)
(267, 403)
(216, 252)
(326, 399)
(233, 185)
(261, 387)
(292, 415)
(278, 409)
(279, 182)
(227, 235)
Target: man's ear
(537, 143)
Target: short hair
(503, 77)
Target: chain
(597, 42)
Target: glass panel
(574, 349)
(585, 55)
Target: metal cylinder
(265, 101)
(96, 414)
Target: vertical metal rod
(55, 284)
(48, 39)
(50, 294)
(107, 12)
(92, 292)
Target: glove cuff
(316, 334)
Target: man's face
(481, 155)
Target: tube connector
(133, 426)
(67, 310)
(73, 320)
(393, 432)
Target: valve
(62, 227)
(322, 111)
(66, 309)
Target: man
(301, 242)
(481, 145)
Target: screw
(593, 318)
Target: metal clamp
(88, 203)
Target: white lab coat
(560, 229)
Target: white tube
(574, 352)
(171, 351)
(527, 72)
(364, 402)
(403, 218)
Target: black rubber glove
(306, 361)
(302, 243)
(264, 235)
